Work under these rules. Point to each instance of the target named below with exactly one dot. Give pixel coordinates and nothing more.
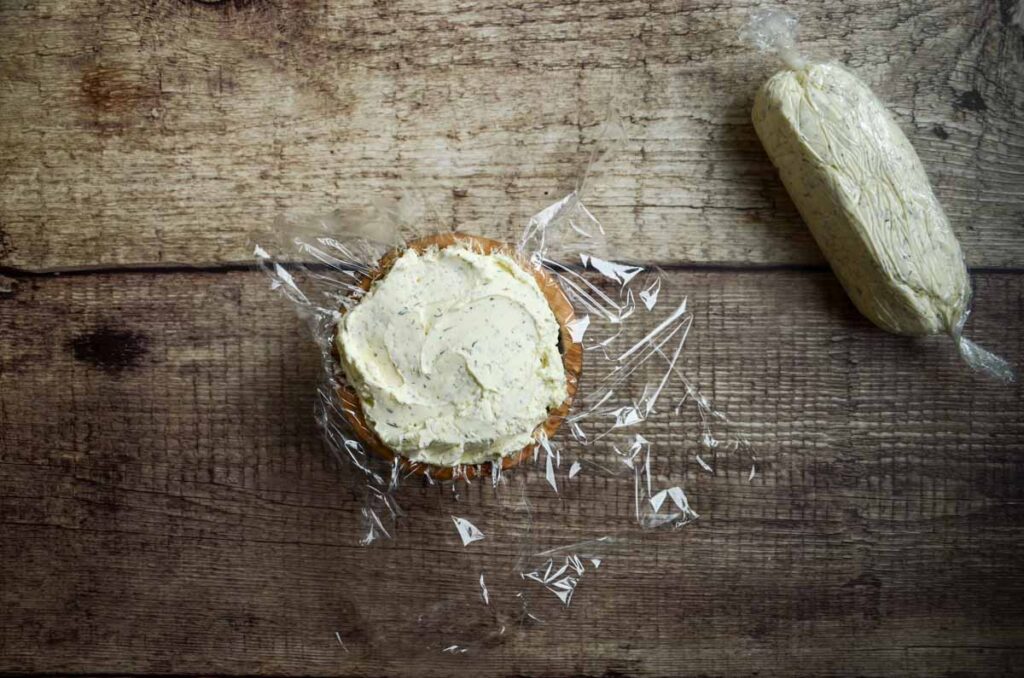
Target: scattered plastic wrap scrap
(559, 578)
(468, 532)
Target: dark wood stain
(940, 132)
(114, 90)
(1006, 11)
(234, 4)
(970, 100)
(6, 244)
(110, 349)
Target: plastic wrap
(637, 428)
(860, 187)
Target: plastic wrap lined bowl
(571, 353)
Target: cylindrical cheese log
(862, 190)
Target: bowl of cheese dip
(456, 357)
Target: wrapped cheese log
(861, 188)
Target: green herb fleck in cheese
(454, 356)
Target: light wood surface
(163, 132)
(167, 506)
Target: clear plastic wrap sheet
(639, 437)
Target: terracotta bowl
(571, 352)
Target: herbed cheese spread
(862, 190)
(454, 356)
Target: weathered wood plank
(167, 506)
(162, 132)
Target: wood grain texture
(167, 507)
(162, 132)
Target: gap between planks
(170, 269)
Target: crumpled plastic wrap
(639, 434)
(860, 187)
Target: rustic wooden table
(167, 506)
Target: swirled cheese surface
(454, 356)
